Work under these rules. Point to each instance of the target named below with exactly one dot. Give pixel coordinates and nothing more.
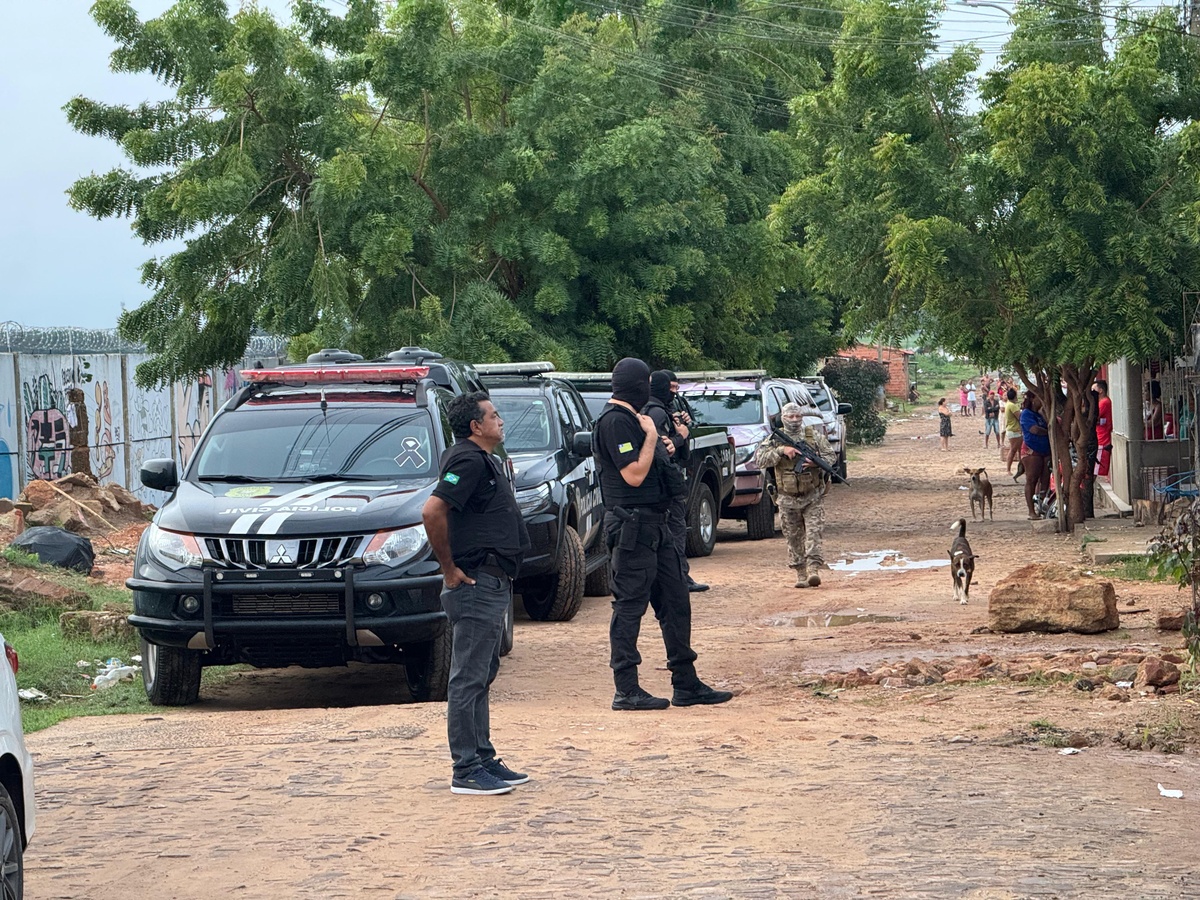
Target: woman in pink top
(962, 398)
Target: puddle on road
(831, 620)
(883, 561)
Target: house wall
(893, 358)
(1131, 452)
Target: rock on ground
(1051, 597)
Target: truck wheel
(12, 857)
(506, 635)
(427, 667)
(841, 464)
(599, 581)
(171, 674)
(760, 519)
(702, 523)
(558, 598)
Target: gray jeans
(476, 614)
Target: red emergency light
(365, 374)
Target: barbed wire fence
(15, 338)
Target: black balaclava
(671, 378)
(660, 387)
(631, 382)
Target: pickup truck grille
(285, 604)
(282, 553)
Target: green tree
(494, 180)
(1050, 234)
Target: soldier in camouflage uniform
(799, 496)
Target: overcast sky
(62, 267)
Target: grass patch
(1048, 734)
(48, 659)
(1131, 568)
(48, 663)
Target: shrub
(857, 381)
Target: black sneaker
(700, 695)
(495, 766)
(479, 781)
(696, 587)
(639, 699)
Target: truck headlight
(172, 550)
(743, 454)
(534, 499)
(390, 548)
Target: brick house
(896, 360)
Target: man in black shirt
(659, 409)
(647, 570)
(479, 537)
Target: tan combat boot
(801, 577)
(814, 575)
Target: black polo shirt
(484, 517)
(616, 442)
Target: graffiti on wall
(193, 412)
(63, 413)
(47, 430)
(72, 417)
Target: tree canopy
(571, 181)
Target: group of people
(479, 537)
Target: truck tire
(558, 598)
(598, 583)
(760, 519)
(506, 635)
(427, 667)
(171, 675)
(702, 523)
(841, 464)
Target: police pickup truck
(548, 438)
(710, 466)
(294, 535)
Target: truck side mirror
(160, 474)
(844, 409)
(581, 444)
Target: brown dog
(962, 562)
(980, 492)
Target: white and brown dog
(962, 562)
(980, 492)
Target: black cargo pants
(647, 570)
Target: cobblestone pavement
(322, 784)
(742, 801)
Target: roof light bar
(311, 374)
(517, 368)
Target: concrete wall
(82, 412)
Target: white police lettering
(253, 510)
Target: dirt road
(325, 784)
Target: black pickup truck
(710, 467)
(548, 439)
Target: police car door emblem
(281, 556)
(410, 454)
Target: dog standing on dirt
(980, 491)
(962, 562)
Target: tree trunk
(1078, 429)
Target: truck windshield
(526, 422)
(302, 444)
(726, 408)
(820, 396)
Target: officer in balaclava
(647, 568)
(799, 494)
(675, 435)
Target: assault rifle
(807, 454)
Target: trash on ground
(1069, 751)
(1124, 684)
(32, 694)
(1173, 793)
(112, 671)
